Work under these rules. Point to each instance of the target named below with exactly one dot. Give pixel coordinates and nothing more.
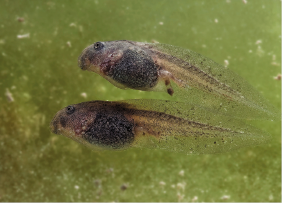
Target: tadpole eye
(98, 46)
(70, 109)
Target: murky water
(39, 46)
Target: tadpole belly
(135, 70)
(110, 130)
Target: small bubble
(259, 41)
(260, 51)
(278, 77)
(27, 35)
(9, 96)
(180, 196)
(195, 198)
(72, 25)
(226, 62)
(181, 186)
(83, 94)
(162, 183)
(154, 41)
(68, 43)
(270, 197)
(274, 63)
(20, 19)
(273, 57)
(225, 197)
(181, 173)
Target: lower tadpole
(153, 124)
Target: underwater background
(40, 42)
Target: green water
(42, 75)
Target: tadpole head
(95, 123)
(72, 120)
(99, 55)
(62, 120)
(91, 55)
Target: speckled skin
(139, 66)
(112, 130)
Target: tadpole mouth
(83, 61)
(54, 126)
(85, 58)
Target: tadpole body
(133, 123)
(180, 72)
